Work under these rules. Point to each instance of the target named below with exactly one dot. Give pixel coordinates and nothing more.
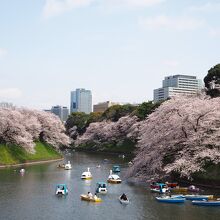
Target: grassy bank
(124, 147)
(11, 154)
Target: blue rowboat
(206, 203)
(168, 199)
(198, 197)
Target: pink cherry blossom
(108, 131)
(23, 127)
(185, 129)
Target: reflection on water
(32, 196)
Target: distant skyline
(119, 49)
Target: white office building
(177, 84)
(81, 101)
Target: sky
(119, 49)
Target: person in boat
(89, 194)
(123, 197)
(95, 196)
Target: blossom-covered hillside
(110, 133)
(181, 137)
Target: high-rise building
(177, 84)
(61, 111)
(101, 107)
(81, 101)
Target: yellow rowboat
(90, 199)
(179, 189)
(210, 197)
(61, 166)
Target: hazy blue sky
(120, 49)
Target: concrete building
(81, 101)
(6, 105)
(101, 107)
(47, 110)
(61, 111)
(177, 84)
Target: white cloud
(175, 23)
(207, 7)
(3, 52)
(10, 93)
(214, 32)
(134, 3)
(57, 7)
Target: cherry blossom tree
(182, 136)
(12, 129)
(23, 127)
(108, 131)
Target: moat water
(32, 196)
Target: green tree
(146, 108)
(115, 112)
(78, 119)
(94, 117)
(82, 120)
(213, 76)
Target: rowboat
(177, 196)
(192, 188)
(155, 190)
(90, 199)
(179, 189)
(168, 199)
(198, 197)
(61, 166)
(172, 185)
(206, 203)
(124, 202)
(163, 190)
